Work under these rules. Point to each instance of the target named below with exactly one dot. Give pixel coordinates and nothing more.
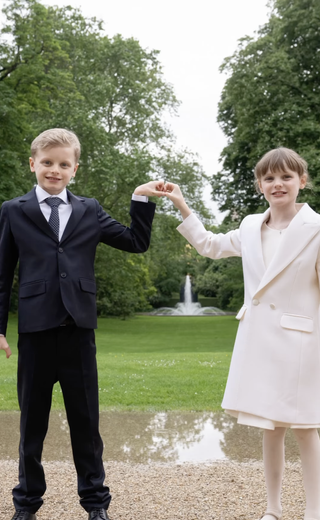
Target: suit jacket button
(272, 306)
(60, 249)
(63, 275)
(255, 302)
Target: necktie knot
(54, 202)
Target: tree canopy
(271, 99)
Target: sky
(193, 38)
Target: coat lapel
(78, 209)
(30, 206)
(301, 230)
(253, 243)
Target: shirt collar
(42, 195)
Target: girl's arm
(205, 242)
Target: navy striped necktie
(54, 221)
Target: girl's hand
(151, 189)
(173, 192)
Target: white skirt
(267, 424)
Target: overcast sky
(193, 39)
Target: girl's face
(282, 188)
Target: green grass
(149, 363)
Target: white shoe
(277, 516)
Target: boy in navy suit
(54, 235)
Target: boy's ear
(31, 162)
(75, 170)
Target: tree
(33, 72)
(223, 280)
(270, 99)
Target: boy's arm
(8, 262)
(136, 238)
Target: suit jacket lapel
(301, 230)
(30, 206)
(78, 209)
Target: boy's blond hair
(56, 137)
(281, 159)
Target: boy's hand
(151, 189)
(4, 346)
(173, 192)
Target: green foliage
(270, 99)
(223, 280)
(34, 71)
(125, 290)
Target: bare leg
(309, 445)
(273, 458)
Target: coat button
(255, 302)
(63, 275)
(60, 249)
(272, 306)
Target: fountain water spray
(188, 307)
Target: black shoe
(98, 514)
(24, 515)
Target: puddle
(149, 437)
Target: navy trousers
(66, 354)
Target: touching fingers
(169, 187)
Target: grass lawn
(149, 363)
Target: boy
(54, 234)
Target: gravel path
(213, 491)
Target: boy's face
(282, 187)
(54, 167)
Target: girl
(274, 377)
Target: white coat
(275, 366)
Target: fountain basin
(181, 310)
(188, 307)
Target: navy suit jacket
(57, 278)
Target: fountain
(188, 307)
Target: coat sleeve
(133, 239)
(207, 243)
(8, 261)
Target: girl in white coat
(274, 377)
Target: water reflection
(145, 437)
